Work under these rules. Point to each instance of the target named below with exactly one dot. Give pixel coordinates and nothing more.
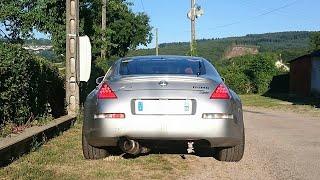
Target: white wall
(315, 76)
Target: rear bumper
(218, 132)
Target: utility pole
(157, 45)
(194, 13)
(193, 29)
(103, 27)
(72, 56)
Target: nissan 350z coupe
(163, 101)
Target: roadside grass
(255, 100)
(61, 158)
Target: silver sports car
(163, 101)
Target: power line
(267, 12)
(142, 6)
(257, 16)
(277, 9)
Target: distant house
(305, 75)
(280, 65)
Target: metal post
(193, 31)
(157, 45)
(72, 70)
(103, 26)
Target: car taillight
(221, 92)
(106, 92)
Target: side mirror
(99, 80)
(223, 79)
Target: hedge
(250, 73)
(30, 87)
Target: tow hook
(190, 148)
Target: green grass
(62, 158)
(261, 101)
(288, 104)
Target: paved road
(278, 146)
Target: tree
(126, 30)
(315, 41)
(250, 73)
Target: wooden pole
(193, 29)
(103, 26)
(157, 45)
(72, 60)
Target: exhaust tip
(130, 146)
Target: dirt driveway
(278, 146)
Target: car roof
(162, 57)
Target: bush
(236, 80)
(30, 87)
(250, 73)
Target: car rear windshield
(162, 66)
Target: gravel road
(279, 145)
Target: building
(305, 75)
(282, 66)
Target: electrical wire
(144, 10)
(267, 12)
(277, 9)
(257, 16)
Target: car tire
(91, 152)
(231, 154)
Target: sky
(225, 18)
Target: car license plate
(163, 107)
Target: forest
(289, 44)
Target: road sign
(84, 58)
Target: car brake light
(221, 92)
(106, 92)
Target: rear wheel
(231, 154)
(91, 152)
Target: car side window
(110, 72)
(211, 70)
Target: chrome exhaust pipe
(130, 146)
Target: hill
(38, 42)
(289, 44)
